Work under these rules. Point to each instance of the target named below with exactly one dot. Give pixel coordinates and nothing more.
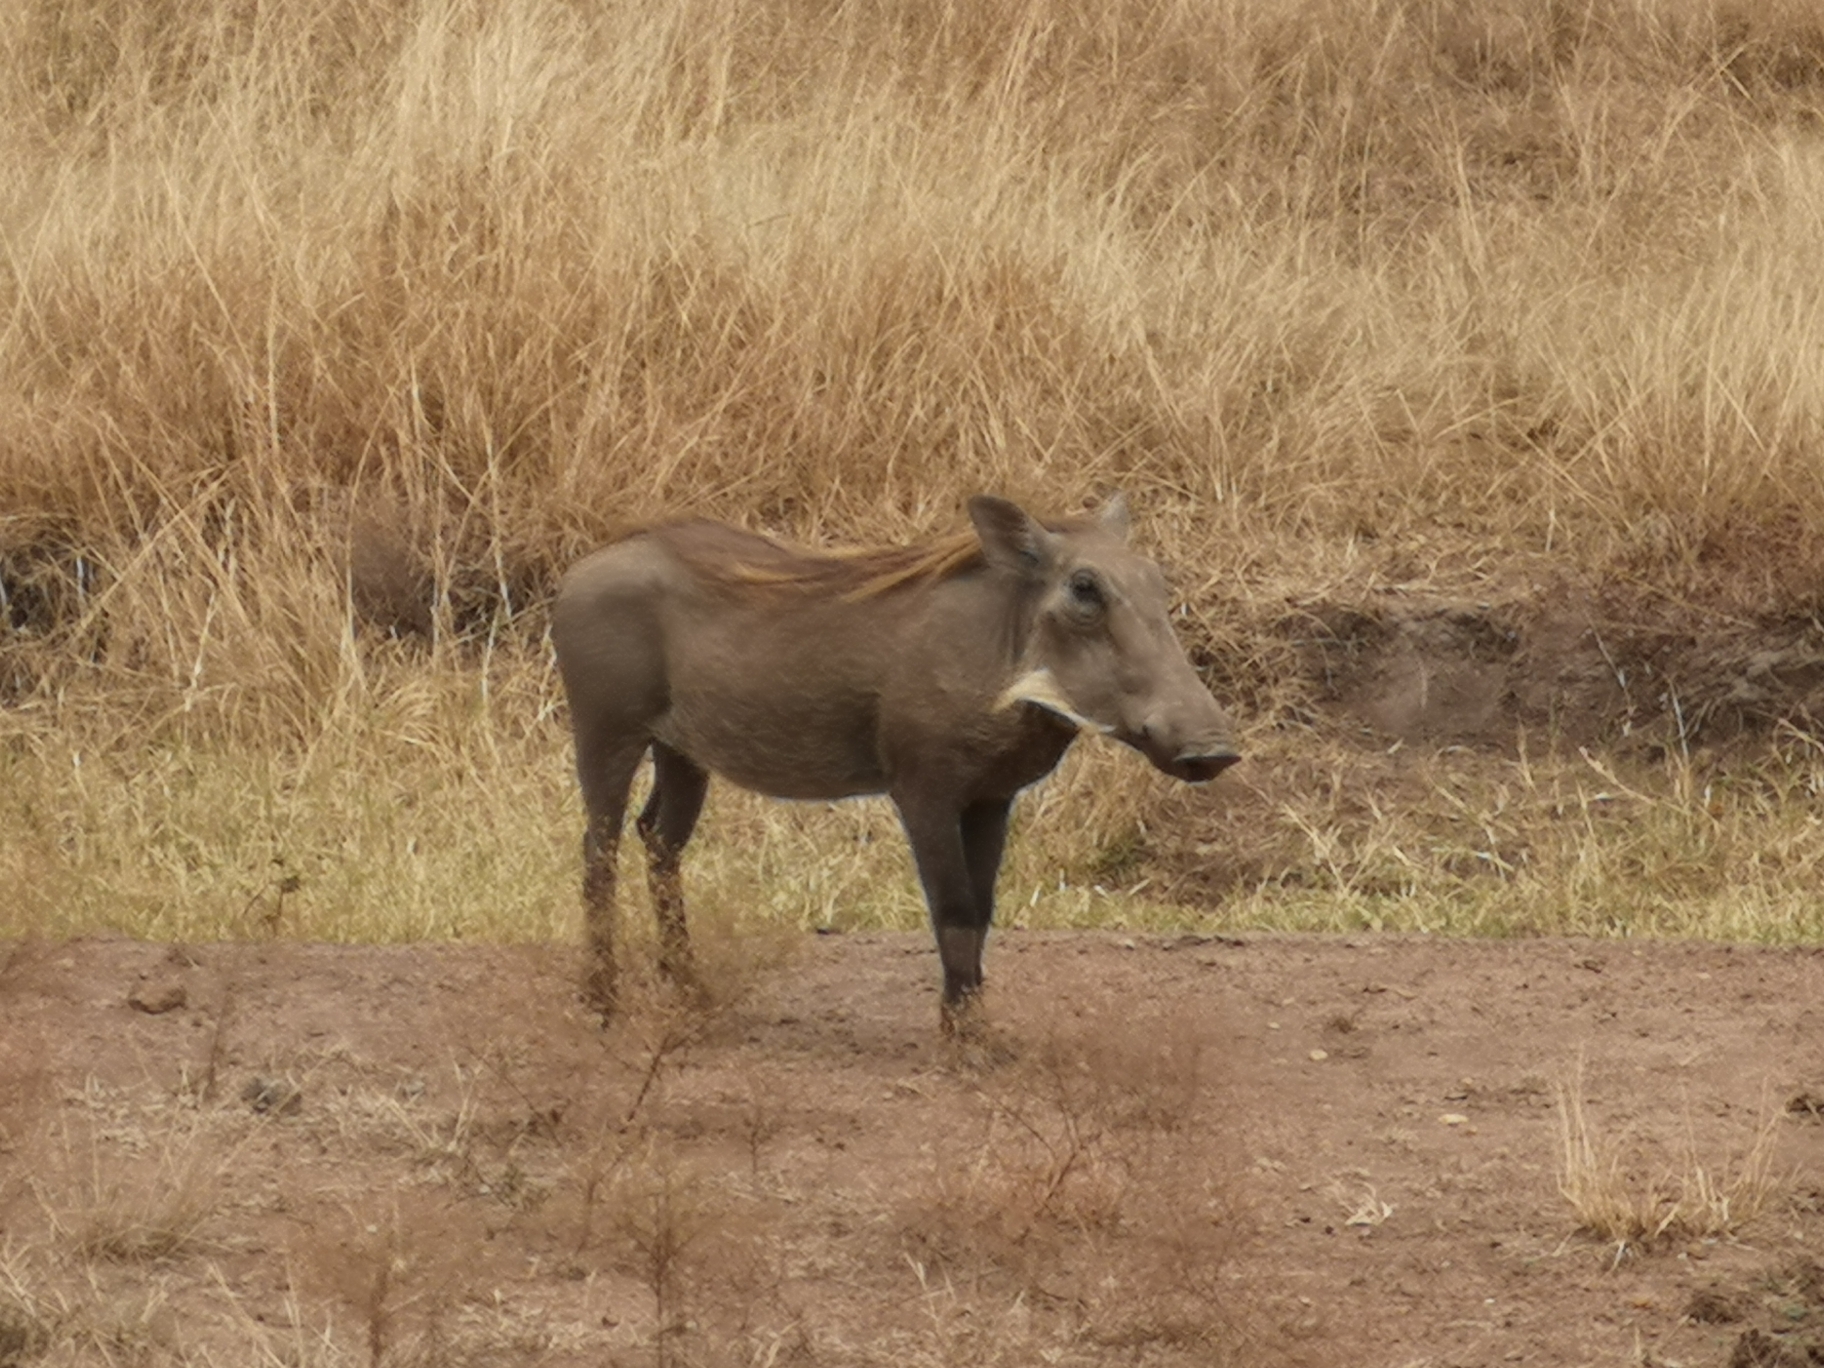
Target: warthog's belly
(794, 747)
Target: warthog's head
(1100, 650)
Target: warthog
(948, 677)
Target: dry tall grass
(414, 302)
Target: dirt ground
(1251, 1150)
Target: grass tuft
(1613, 1201)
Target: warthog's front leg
(958, 855)
(984, 839)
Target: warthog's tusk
(1040, 689)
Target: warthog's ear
(1011, 537)
(1114, 516)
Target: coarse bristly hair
(735, 559)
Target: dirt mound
(1588, 664)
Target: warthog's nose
(1199, 767)
(1196, 763)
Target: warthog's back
(775, 687)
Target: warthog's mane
(738, 561)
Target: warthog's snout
(1195, 762)
(1201, 767)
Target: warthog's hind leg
(665, 825)
(605, 771)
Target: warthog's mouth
(1200, 769)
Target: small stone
(1715, 1306)
(272, 1097)
(156, 996)
(1454, 1119)
(1319, 1056)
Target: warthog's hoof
(971, 1041)
(601, 992)
(680, 969)
(964, 1019)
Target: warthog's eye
(1085, 592)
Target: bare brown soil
(1164, 1150)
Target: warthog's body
(947, 677)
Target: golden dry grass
(1630, 1196)
(411, 303)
